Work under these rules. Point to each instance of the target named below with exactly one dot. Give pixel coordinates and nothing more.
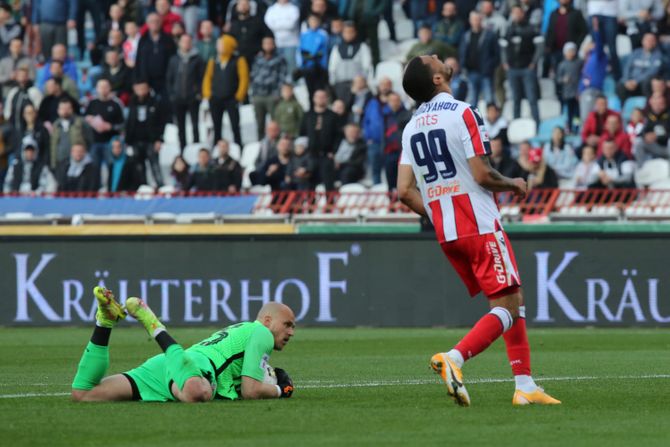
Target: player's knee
(196, 389)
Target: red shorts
(485, 263)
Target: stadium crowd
(89, 86)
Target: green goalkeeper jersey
(239, 350)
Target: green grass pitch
(354, 387)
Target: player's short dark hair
(418, 80)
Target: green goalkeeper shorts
(151, 381)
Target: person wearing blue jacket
(644, 64)
(312, 56)
(373, 128)
(593, 72)
(52, 19)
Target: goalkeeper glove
(284, 383)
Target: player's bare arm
(408, 193)
(487, 177)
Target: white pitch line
(480, 381)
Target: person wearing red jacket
(595, 121)
(613, 131)
(168, 18)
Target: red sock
(485, 332)
(518, 349)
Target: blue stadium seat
(609, 86)
(614, 103)
(547, 127)
(632, 103)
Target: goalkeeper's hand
(284, 383)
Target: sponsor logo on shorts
(501, 277)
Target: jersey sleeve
(257, 353)
(473, 134)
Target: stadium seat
(614, 103)
(661, 184)
(387, 50)
(380, 187)
(652, 171)
(521, 129)
(260, 189)
(383, 30)
(547, 127)
(249, 155)
(404, 29)
(167, 154)
(624, 46)
(235, 152)
(403, 49)
(547, 88)
(508, 109)
(191, 153)
(392, 70)
(302, 95)
(353, 188)
(630, 104)
(609, 86)
(549, 108)
(167, 190)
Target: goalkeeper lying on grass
(230, 364)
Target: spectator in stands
(113, 21)
(105, 116)
(587, 172)
(593, 73)
(566, 24)
(95, 9)
(615, 169)
(288, 112)
(312, 58)
(154, 51)
(48, 110)
(184, 84)
(227, 171)
(32, 128)
(78, 172)
(595, 122)
(532, 11)
(635, 125)
(640, 17)
(658, 117)
(567, 77)
(396, 118)
(418, 12)
(663, 28)
(350, 156)
(68, 84)
(145, 125)
(58, 53)
(492, 20)
(123, 172)
(658, 86)
(51, 19)
(23, 93)
(495, 123)
(427, 46)
(203, 177)
(189, 10)
(118, 74)
(501, 159)
(283, 19)
(360, 95)
(180, 173)
(520, 58)
(249, 31)
(166, 18)
(27, 172)
(268, 74)
(450, 28)
(478, 55)
(114, 41)
(68, 130)
(225, 85)
(335, 33)
(206, 44)
(539, 175)
(646, 147)
(347, 60)
(613, 131)
(366, 14)
(273, 172)
(130, 44)
(606, 12)
(14, 59)
(559, 155)
(300, 168)
(268, 150)
(643, 65)
(459, 83)
(9, 29)
(319, 125)
(373, 128)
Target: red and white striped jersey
(437, 142)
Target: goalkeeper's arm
(254, 389)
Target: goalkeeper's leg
(88, 384)
(188, 384)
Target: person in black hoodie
(203, 177)
(249, 30)
(147, 117)
(501, 160)
(184, 80)
(78, 173)
(319, 125)
(227, 171)
(27, 173)
(123, 171)
(520, 59)
(153, 55)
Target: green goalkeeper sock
(92, 367)
(179, 365)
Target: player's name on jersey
(430, 107)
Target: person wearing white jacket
(283, 19)
(349, 59)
